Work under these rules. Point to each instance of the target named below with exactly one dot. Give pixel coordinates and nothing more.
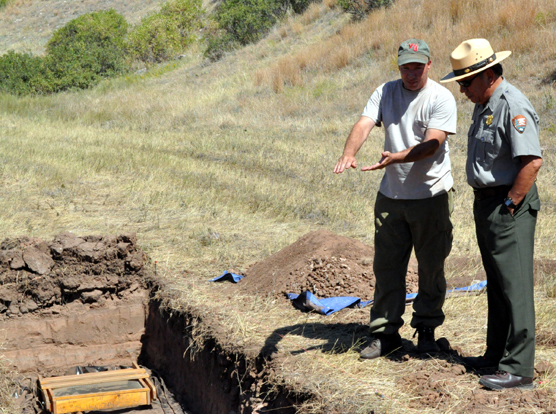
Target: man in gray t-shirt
(413, 206)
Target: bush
(246, 21)
(218, 43)
(87, 49)
(22, 74)
(299, 6)
(360, 8)
(241, 22)
(167, 33)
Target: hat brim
(500, 56)
(413, 58)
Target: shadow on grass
(339, 337)
(344, 337)
(550, 79)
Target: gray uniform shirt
(406, 116)
(505, 128)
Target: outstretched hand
(345, 162)
(387, 159)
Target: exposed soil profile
(85, 295)
(38, 277)
(78, 301)
(324, 263)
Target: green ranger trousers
(400, 226)
(506, 243)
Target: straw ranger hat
(473, 56)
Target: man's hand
(345, 162)
(387, 159)
(356, 138)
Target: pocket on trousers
(535, 205)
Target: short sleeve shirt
(504, 129)
(406, 116)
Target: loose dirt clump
(435, 386)
(36, 275)
(322, 262)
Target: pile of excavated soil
(322, 262)
(37, 276)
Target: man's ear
(491, 76)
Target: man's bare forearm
(527, 175)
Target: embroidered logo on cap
(519, 122)
(413, 46)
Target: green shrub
(87, 49)
(360, 8)
(165, 34)
(241, 22)
(247, 20)
(218, 43)
(299, 6)
(22, 74)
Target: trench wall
(203, 377)
(49, 345)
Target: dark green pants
(506, 243)
(400, 226)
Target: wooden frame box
(121, 388)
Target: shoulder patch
(519, 122)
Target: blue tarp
(227, 277)
(306, 301)
(309, 302)
(476, 286)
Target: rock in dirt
(37, 260)
(544, 368)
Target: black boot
(425, 341)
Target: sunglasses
(467, 83)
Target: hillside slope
(26, 25)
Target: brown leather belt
(483, 193)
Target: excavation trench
(93, 301)
(77, 302)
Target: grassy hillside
(26, 25)
(218, 165)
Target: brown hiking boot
(382, 344)
(425, 341)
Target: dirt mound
(322, 262)
(35, 274)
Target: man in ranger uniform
(503, 159)
(413, 205)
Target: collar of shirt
(496, 95)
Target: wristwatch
(508, 202)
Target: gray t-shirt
(406, 116)
(505, 128)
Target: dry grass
(514, 25)
(215, 170)
(7, 404)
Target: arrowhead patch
(519, 122)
